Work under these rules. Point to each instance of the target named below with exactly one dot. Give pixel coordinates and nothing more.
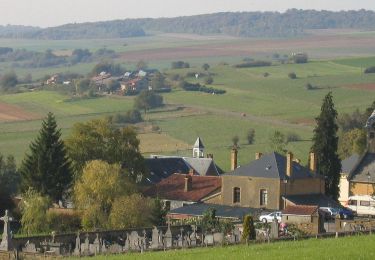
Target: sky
(47, 13)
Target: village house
(53, 80)
(358, 172)
(179, 190)
(272, 181)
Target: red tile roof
(173, 187)
(303, 210)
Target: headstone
(237, 235)
(193, 236)
(96, 246)
(29, 248)
(127, 242)
(115, 249)
(180, 240)
(218, 238)
(103, 248)
(208, 239)
(85, 247)
(168, 237)
(155, 238)
(144, 241)
(77, 249)
(134, 241)
(6, 242)
(274, 233)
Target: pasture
(354, 247)
(253, 100)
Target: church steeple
(370, 127)
(198, 149)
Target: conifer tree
(325, 142)
(46, 167)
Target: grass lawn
(355, 247)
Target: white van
(363, 205)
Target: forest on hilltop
(242, 24)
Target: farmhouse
(358, 172)
(270, 181)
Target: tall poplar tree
(47, 168)
(325, 142)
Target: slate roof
(303, 210)
(349, 163)
(161, 167)
(320, 200)
(272, 165)
(198, 143)
(364, 166)
(222, 211)
(173, 188)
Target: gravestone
(115, 249)
(208, 239)
(237, 235)
(95, 248)
(85, 247)
(134, 241)
(144, 241)
(77, 249)
(29, 247)
(6, 242)
(127, 242)
(168, 237)
(193, 236)
(155, 238)
(274, 233)
(218, 238)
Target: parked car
(362, 205)
(270, 217)
(329, 212)
(346, 213)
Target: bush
(292, 75)
(252, 64)
(308, 86)
(205, 66)
(209, 80)
(248, 229)
(198, 87)
(300, 58)
(250, 136)
(370, 70)
(63, 222)
(266, 74)
(131, 117)
(292, 137)
(180, 65)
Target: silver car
(270, 217)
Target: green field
(355, 247)
(270, 103)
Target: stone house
(179, 190)
(269, 180)
(358, 172)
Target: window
(236, 195)
(263, 197)
(167, 205)
(364, 203)
(352, 202)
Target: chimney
(188, 183)
(289, 164)
(258, 155)
(233, 159)
(312, 162)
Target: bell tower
(370, 127)
(198, 149)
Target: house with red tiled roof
(179, 190)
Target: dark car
(346, 213)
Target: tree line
(244, 24)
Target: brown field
(365, 86)
(241, 47)
(14, 113)
(154, 143)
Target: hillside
(241, 24)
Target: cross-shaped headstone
(5, 244)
